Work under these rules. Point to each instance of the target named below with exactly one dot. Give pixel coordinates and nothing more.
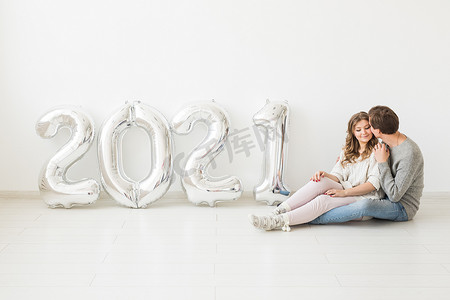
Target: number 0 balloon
(123, 189)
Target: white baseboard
(436, 195)
(103, 194)
(19, 194)
(181, 195)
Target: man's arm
(396, 187)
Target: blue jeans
(380, 209)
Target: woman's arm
(337, 170)
(372, 181)
(320, 174)
(359, 190)
(337, 173)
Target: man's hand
(381, 153)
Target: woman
(355, 176)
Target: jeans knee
(365, 204)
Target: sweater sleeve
(338, 170)
(396, 187)
(373, 173)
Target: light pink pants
(309, 202)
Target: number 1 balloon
(123, 189)
(274, 117)
(54, 187)
(199, 186)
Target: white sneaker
(281, 209)
(270, 222)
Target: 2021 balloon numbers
(200, 188)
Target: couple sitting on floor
(370, 179)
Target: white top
(359, 172)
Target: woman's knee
(325, 184)
(321, 199)
(322, 202)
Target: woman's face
(362, 132)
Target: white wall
(328, 58)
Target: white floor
(176, 250)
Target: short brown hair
(384, 119)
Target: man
(401, 169)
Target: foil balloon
(55, 188)
(201, 188)
(135, 194)
(274, 118)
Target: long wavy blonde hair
(352, 147)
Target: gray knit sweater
(402, 176)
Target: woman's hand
(317, 176)
(336, 193)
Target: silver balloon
(274, 117)
(54, 187)
(123, 189)
(200, 188)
